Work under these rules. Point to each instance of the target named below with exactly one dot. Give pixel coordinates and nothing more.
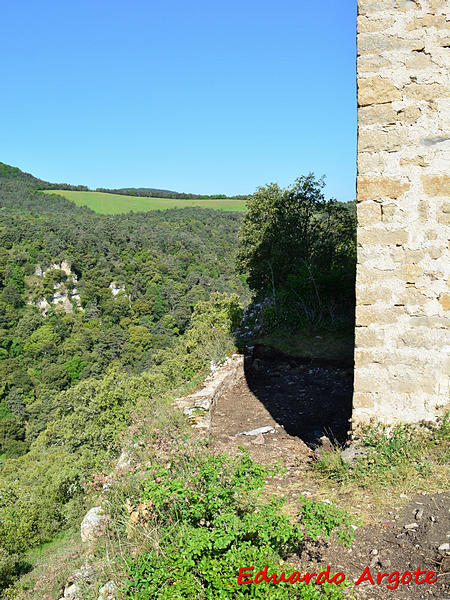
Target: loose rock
(91, 524)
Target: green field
(111, 204)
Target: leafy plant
(211, 521)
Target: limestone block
(426, 91)
(369, 162)
(382, 114)
(373, 294)
(373, 43)
(438, 21)
(371, 63)
(436, 5)
(382, 237)
(366, 24)
(367, 7)
(367, 337)
(410, 114)
(409, 273)
(376, 90)
(374, 6)
(444, 42)
(407, 4)
(419, 60)
(377, 188)
(368, 380)
(368, 275)
(379, 141)
(412, 296)
(363, 400)
(418, 161)
(444, 300)
(367, 315)
(423, 211)
(388, 212)
(368, 213)
(436, 185)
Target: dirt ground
(302, 402)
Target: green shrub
(211, 520)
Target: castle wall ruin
(402, 345)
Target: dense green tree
(297, 247)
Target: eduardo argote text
(390, 580)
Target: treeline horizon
(9, 172)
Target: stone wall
(402, 355)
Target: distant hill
(24, 191)
(156, 193)
(7, 172)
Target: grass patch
(397, 459)
(112, 204)
(50, 565)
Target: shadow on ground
(308, 398)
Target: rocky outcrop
(65, 294)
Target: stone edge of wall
(197, 407)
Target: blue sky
(197, 96)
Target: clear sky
(200, 96)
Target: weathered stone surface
(377, 188)
(438, 21)
(436, 185)
(382, 113)
(366, 24)
(371, 63)
(436, 5)
(370, 7)
(409, 273)
(91, 524)
(370, 162)
(376, 90)
(368, 213)
(366, 337)
(419, 60)
(407, 4)
(73, 592)
(403, 273)
(410, 114)
(374, 43)
(426, 91)
(379, 141)
(368, 315)
(350, 454)
(418, 161)
(388, 212)
(444, 300)
(382, 237)
(371, 295)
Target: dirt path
(301, 403)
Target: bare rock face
(91, 524)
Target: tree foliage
(299, 248)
